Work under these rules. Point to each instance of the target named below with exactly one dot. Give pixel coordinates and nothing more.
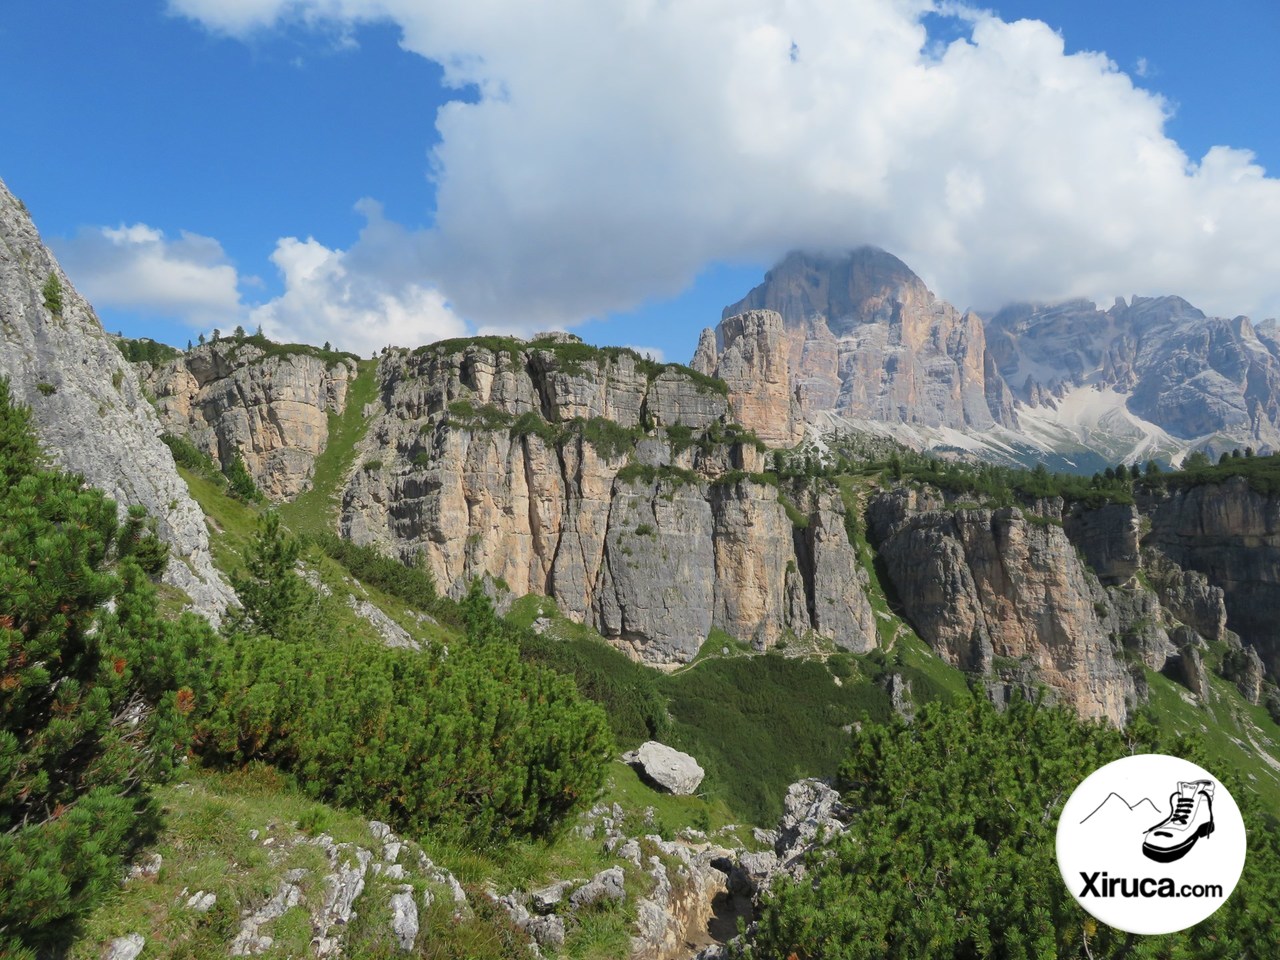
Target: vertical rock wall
(88, 407)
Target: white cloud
(361, 299)
(616, 148)
(138, 268)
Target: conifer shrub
(951, 851)
(628, 691)
(472, 741)
(240, 482)
(52, 293)
(97, 693)
(413, 584)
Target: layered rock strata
(619, 487)
(233, 398)
(1002, 592)
(1227, 536)
(858, 335)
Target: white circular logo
(1151, 844)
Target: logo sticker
(1151, 844)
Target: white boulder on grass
(670, 769)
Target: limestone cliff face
(1229, 534)
(618, 487)
(1003, 592)
(90, 413)
(233, 397)
(749, 352)
(866, 339)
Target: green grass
(205, 845)
(232, 524)
(756, 724)
(671, 814)
(338, 610)
(1228, 728)
(315, 509)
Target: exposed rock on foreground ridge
(88, 408)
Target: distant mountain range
(861, 344)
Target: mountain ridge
(867, 347)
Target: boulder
(670, 769)
(605, 885)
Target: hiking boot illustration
(1190, 818)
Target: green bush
(96, 692)
(145, 350)
(414, 585)
(240, 482)
(52, 292)
(469, 742)
(951, 849)
(633, 703)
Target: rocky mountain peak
(843, 291)
(864, 339)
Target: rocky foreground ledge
(688, 895)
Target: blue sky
(625, 170)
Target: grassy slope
(206, 845)
(315, 510)
(205, 841)
(754, 723)
(1240, 737)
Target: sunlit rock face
(88, 408)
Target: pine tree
(96, 692)
(275, 600)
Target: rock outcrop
(749, 352)
(87, 405)
(864, 338)
(1209, 380)
(1003, 592)
(268, 406)
(621, 488)
(1229, 535)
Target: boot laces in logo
(1144, 864)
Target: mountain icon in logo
(1190, 817)
(1117, 808)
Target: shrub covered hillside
(467, 740)
(97, 693)
(951, 850)
(101, 698)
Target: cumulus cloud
(138, 268)
(614, 149)
(363, 298)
